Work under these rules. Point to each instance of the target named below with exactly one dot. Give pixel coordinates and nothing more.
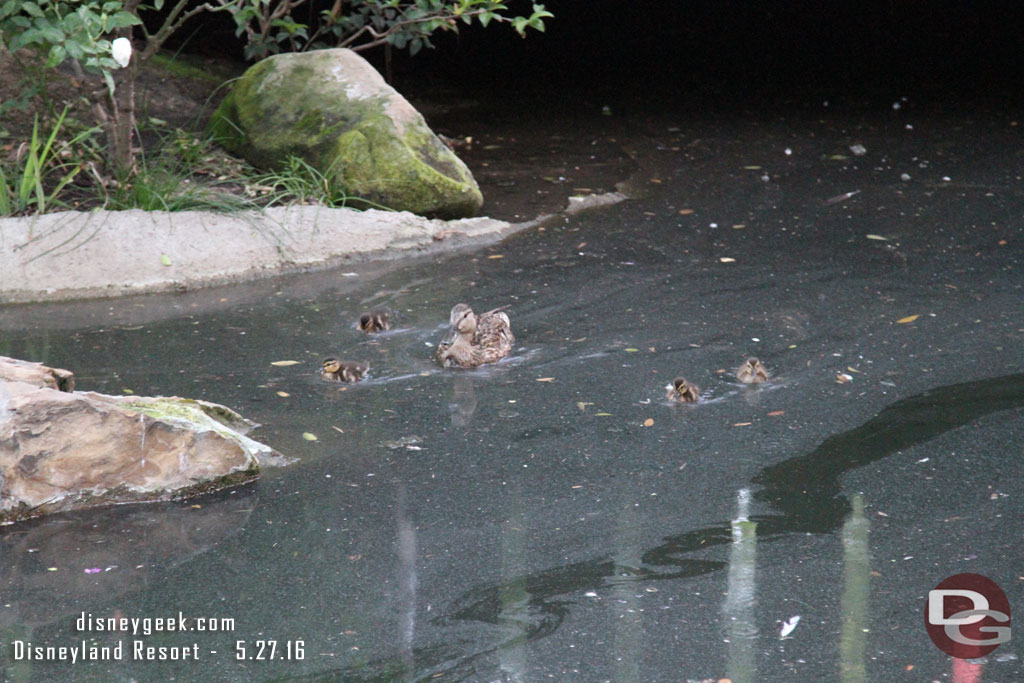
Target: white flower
(121, 49)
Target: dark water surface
(553, 517)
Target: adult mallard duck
(377, 320)
(334, 370)
(475, 339)
(682, 391)
(752, 372)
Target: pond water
(553, 517)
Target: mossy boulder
(334, 111)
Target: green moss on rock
(332, 109)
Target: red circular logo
(967, 616)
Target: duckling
(752, 372)
(475, 339)
(682, 391)
(377, 320)
(335, 370)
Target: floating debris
(789, 625)
(840, 197)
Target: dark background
(678, 48)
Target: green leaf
(56, 57)
(52, 34)
(165, 259)
(123, 19)
(110, 82)
(31, 9)
(74, 49)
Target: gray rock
(334, 111)
(64, 450)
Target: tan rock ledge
(64, 450)
(73, 255)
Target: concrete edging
(74, 255)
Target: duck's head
(463, 319)
(681, 390)
(331, 365)
(376, 320)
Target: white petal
(121, 49)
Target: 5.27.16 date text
(270, 649)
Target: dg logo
(967, 616)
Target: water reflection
(806, 491)
(856, 596)
(738, 610)
(58, 566)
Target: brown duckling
(475, 339)
(334, 370)
(682, 391)
(752, 372)
(377, 320)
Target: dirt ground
(524, 165)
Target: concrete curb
(74, 255)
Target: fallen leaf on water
(581, 245)
(853, 369)
(545, 379)
(727, 259)
(283, 394)
(284, 363)
(656, 181)
(1001, 243)
(742, 424)
(739, 226)
(877, 237)
(165, 259)
(128, 391)
(685, 212)
(908, 319)
(649, 422)
(843, 378)
(340, 431)
(752, 168)
(577, 486)
(496, 256)
(583, 405)
(776, 413)
(602, 414)
(631, 350)
(308, 436)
